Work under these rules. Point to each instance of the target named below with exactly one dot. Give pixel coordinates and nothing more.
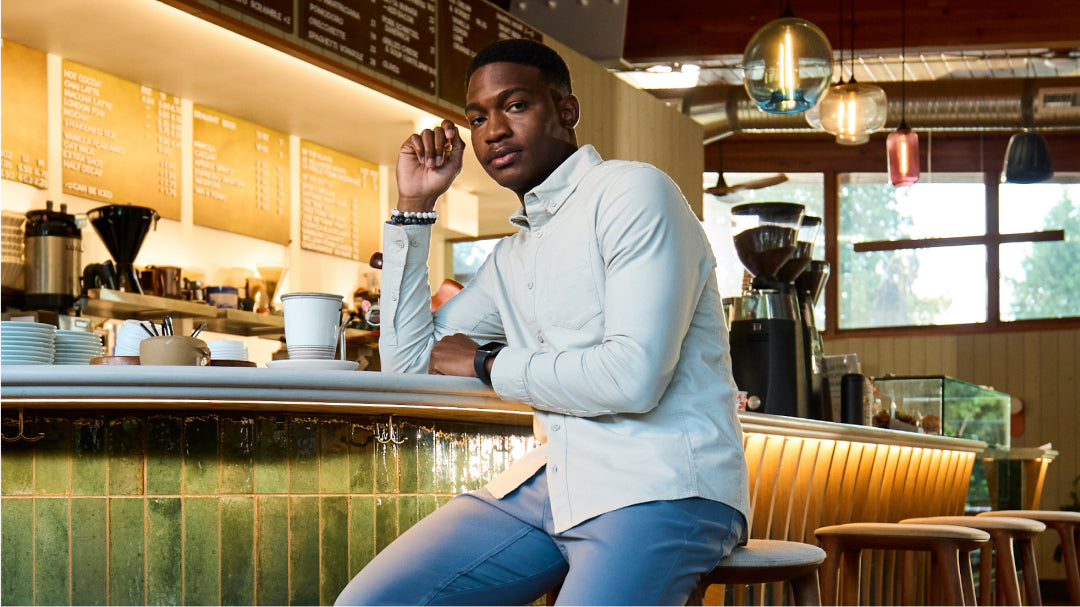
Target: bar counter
(196, 485)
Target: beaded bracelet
(412, 218)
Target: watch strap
(483, 353)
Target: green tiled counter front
(198, 508)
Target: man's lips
(501, 157)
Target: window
(469, 255)
(952, 250)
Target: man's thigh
(647, 554)
(465, 553)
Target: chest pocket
(569, 295)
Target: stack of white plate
(128, 337)
(76, 347)
(227, 349)
(11, 249)
(26, 343)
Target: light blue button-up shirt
(608, 302)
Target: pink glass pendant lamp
(902, 145)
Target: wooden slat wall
(1039, 367)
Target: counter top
(347, 392)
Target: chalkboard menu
(466, 27)
(339, 203)
(25, 130)
(121, 141)
(278, 13)
(393, 37)
(241, 176)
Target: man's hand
(428, 163)
(453, 355)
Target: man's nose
(498, 128)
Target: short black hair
(525, 52)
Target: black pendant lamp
(1026, 158)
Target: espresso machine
(53, 249)
(123, 229)
(765, 327)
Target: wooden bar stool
(948, 545)
(764, 561)
(1067, 524)
(1005, 532)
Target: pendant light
(787, 65)
(1026, 158)
(852, 111)
(902, 146)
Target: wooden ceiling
(685, 30)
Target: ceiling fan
(723, 189)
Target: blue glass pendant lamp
(787, 65)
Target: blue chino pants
(478, 550)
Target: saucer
(330, 365)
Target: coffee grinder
(809, 285)
(765, 331)
(123, 229)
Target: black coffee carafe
(123, 229)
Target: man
(607, 303)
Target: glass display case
(943, 405)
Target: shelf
(122, 305)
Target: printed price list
(278, 13)
(393, 37)
(240, 176)
(25, 131)
(339, 203)
(120, 141)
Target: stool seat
(985, 523)
(907, 535)
(1067, 525)
(772, 553)
(948, 545)
(1005, 533)
(763, 561)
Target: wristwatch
(483, 353)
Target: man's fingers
(438, 148)
(428, 136)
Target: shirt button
(394, 297)
(539, 234)
(540, 338)
(554, 469)
(530, 285)
(555, 427)
(414, 243)
(400, 243)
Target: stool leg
(829, 569)
(1072, 567)
(966, 581)
(1005, 577)
(805, 590)
(1031, 575)
(852, 578)
(986, 567)
(947, 561)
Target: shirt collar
(543, 201)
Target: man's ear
(569, 111)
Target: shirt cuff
(406, 245)
(508, 374)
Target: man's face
(521, 129)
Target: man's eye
(476, 121)
(516, 106)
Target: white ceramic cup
(311, 324)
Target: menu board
(339, 203)
(25, 129)
(392, 37)
(121, 141)
(466, 27)
(278, 13)
(240, 176)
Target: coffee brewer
(766, 331)
(53, 245)
(808, 288)
(123, 229)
